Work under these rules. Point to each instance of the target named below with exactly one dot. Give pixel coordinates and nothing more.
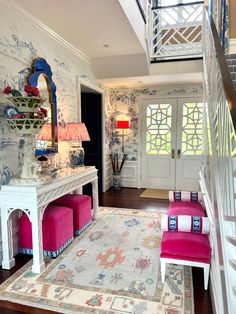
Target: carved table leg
(7, 242)
(38, 262)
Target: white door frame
(93, 87)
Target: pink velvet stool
(57, 227)
(82, 210)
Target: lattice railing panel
(175, 32)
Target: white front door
(171, 143)
(158, 141)
(189, 144)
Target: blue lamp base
(76, 156)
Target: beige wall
(232, 19)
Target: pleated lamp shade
(75, 132)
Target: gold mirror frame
(40, 68)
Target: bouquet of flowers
(30, 91)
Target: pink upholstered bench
(186, 208)
(192, 249)
(82, 210)
(185, 248)
(57, 227)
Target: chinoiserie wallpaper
(21, 42)
(126, 103)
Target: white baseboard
(130, 174)
(232, 45)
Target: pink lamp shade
(74, 131)
(45, 133)
(122, 124)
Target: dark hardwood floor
(125, 198)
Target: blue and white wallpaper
(126, 103)
(20, 43)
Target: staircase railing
(175, 31)
(219, 175)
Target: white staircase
(219, 171)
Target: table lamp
(123, 125)
(45, 133)
(75, 132)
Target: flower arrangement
(30, 91)
(25, 106)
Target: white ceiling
(88, 25)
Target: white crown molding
(44, 28)
(232, 45)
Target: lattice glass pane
(158, 132)
(192, 128)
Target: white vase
(116, 180)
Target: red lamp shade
(122, 124)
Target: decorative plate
(11, 111)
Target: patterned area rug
(113, 267)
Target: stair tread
(232, 240)
(232, 262)
(230, 218)
(230, 56)
(231, 61)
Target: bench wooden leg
(163, 270)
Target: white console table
(33, 200)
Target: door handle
(178, 153)
(173, 153)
